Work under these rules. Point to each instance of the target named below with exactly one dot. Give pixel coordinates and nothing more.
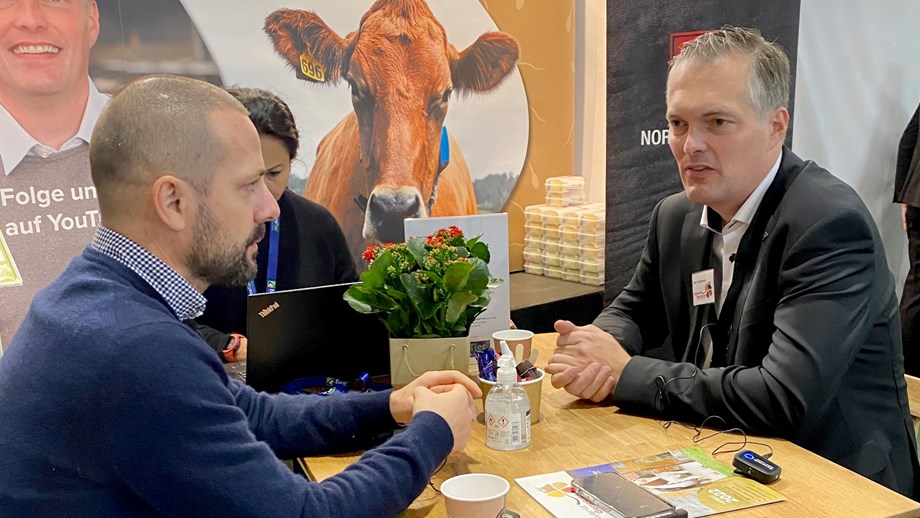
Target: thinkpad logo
(268, 309)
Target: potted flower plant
(427, 291)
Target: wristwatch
(229, 353)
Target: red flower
(454, 231)
(369, 252)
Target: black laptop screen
(311, 332)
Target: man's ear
(175, 202)
(93, 22)
(779, 124)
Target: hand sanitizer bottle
(507, 410)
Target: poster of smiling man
(48, 107)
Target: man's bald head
(156, 125)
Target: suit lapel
(760, 229)
(695, 246)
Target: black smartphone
(620, 497)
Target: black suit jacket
(814, 353)
(907, 170)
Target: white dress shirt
(17, 144)
(725, 243)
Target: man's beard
(213, 258)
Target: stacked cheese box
(564, 238)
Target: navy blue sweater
(110, 406)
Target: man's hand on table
(587, 361)
(447, 393)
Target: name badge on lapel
(703, 292)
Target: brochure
(689, 479)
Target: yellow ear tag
(311, 69)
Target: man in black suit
(800, 337)
(907, 192)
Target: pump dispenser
(507, 374)
(507, 408)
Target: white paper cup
(475, 495)
(513, 337)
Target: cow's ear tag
(310, 69)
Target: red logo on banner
(679, 38)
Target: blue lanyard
(271, 275)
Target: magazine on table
(689, 479)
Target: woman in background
(304, 247)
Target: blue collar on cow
(443, 161)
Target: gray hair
(769, 82)
(156, 125)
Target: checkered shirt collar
(182, 298)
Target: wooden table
(573, 434)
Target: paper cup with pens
(530, 376)
(515, 338)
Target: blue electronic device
(756, 467)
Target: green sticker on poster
(9, 274)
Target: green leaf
(396, 324)
(375, 276)
(479, 276)
(397, 295)
(359, 300)
(420, 296)
(416, 247)
(480, 251)
(456, 276)
(457, 304)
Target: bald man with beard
(111, 405)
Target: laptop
(309, 332)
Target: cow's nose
(386, 210)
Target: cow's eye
(437, 103)
(355, 91)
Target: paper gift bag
(411, 357)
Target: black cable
(431, 482)
(663, 401)
(698, 437)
